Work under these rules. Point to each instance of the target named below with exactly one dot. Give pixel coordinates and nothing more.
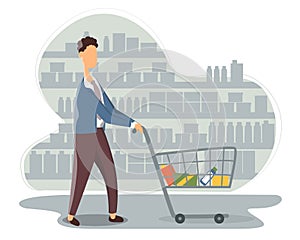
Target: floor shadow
(91, 220)
(92, 212)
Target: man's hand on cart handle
(138, 128)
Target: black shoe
(74, 222)
(116, 219)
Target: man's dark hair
(83, 43)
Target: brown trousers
(90, 148)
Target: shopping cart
(194, 168)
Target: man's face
(89, 56)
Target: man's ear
(80, 54)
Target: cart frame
(179, 217)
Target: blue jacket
(86, 108)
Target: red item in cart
(168, 172)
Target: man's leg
(80, 176)
(84, 156)
(105, 163)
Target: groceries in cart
(173, 178)
(186, 168)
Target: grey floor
(150, 211)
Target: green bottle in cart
(209, 175)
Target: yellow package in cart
(217, 181)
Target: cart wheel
(179, 218)
(219, 218)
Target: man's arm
(115, 112)
(112, 116)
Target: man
(92, 110)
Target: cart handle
(146, 134)
(148, 139)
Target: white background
(261, 34)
